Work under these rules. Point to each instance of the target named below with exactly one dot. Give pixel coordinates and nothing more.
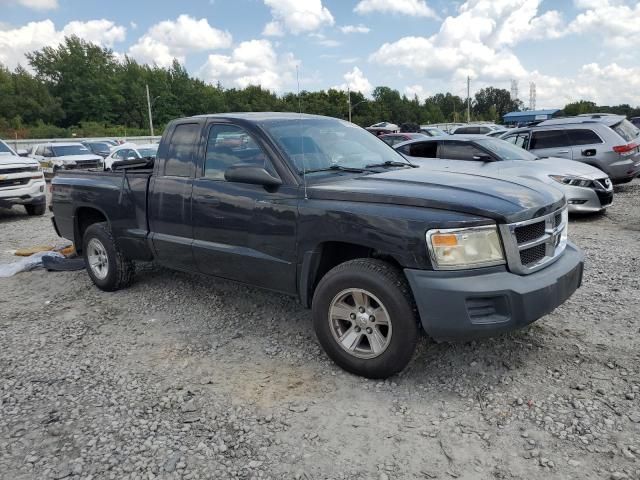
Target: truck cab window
(182, 150)
(229, 145)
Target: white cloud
(412, 91)
(103, 32)
(322, 40)
(253, 62)
(614, 20)
(16, 42)
(476, 42)
(355, 29)
(33, 4)
(414, 8)
(592, 82)
(273, 29)
(169, 40)
(356, 82)
(297, 16)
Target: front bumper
(475, 303)
(30, 194)
(587, 200)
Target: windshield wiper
(335, 168)
(391, 163)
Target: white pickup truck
(21, 182)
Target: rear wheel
(33, 210)
(364, 318)
(105, 263)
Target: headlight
(572, 180)
(462, 248)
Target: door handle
(562, 151)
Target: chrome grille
(14, 182)
(532, 244)
(533, 255)
(526, 233)
(7, 171)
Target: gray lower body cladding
(464, 305)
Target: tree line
(83, 89)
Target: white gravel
(183, 376)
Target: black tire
(34, 210)
(119, 271)
(389, 285)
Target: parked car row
(586, 188)
(610, 143)
(584, 155)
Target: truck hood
(7, 160)
(505, 200)
(77, 158)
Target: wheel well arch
(84, 218)
(327, 255)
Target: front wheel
(363, 315)
(105, 263)
(35, 210)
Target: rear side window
(626, 130)
(459, 151)
(519, 140)
(467, 131)
(583, 136)
(182, 150)
(549, 139)
(422, 150)
(391, 140)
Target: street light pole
(149, 106)
(349, 102)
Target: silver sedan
(586, 188)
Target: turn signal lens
(444, 240)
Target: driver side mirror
(23, 153)
(483, 157)
(251, 174)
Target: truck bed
(122, 199)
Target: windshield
(148, 152)
(325, 143)
(99, 147)
(65, 150)
(505, 150)
(5, 149)
(626, 130)
(434, 132)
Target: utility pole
(149, 106)
(349, 102)
(468, 99)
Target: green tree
(493, 103)
(82, 75)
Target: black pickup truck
(319, 208)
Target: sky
(570, 49)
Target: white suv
(21, 182)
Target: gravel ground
(184, 376)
